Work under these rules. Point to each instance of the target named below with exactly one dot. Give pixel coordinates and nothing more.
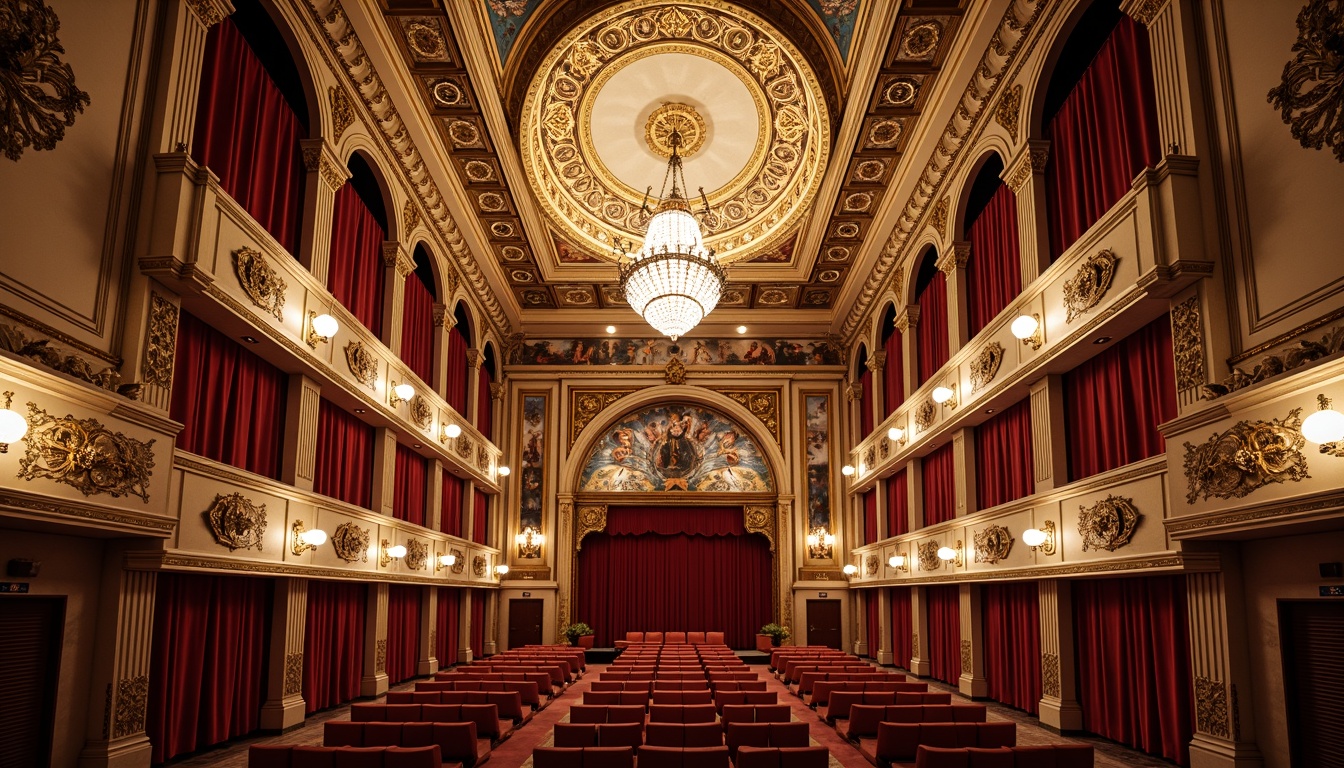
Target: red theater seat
(695, 638)
(899, 742)
(1041, 756)
(683, 697)
(683, 735)
(782, 757)
(675, 638)
(714, 638)
(688, 757)
(682, 713)
(574, 735)
(653, 637)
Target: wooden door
(1312, 643)
(823, 623)
(524, 623)
(31, 629)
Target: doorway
(823, 623)
(1312, 639)
(524, 622)
(31, 630)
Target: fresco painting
(818, 420)
(734, 351)
(533, 471)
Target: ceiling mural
(507, 18)
(839, 17)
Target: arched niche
(1080, 36)
(983, 177)
(370, 183)
(271, 36)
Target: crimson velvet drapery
(944, 633)
(691, 568)
(408, 492)
(446, 631)
(344, 456)
(893, 372)
(902, 626)
(403, 631)
(484, 414)
(249, 135)
(940, 485)
(1102, 136)
(333, 643)
(866, 402)
(931, 330)
(994, 270)
(356, 276)
(208, 663)
(231, 403)
(478, 623)
(898, 504)
(480, 518)
(1003, 457)
(455, 384)
(1114, 402)
(870, 516)
(417, 328)
(1012, 622)
(450, 516)
(872, 604)
(1133, 662)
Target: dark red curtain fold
(231, 402)
(403, 632)
(866, 403)
(249, 135)
(333, 643)
(450, 516)
(478, 623)
(208, 661)
(872, 604)
(944, 633)
(1114, 402)
(940, 485)
(480, 518)
(1103, 135)
(994, 271)
(902, 626)
(931, 330)
(344, 456)
(898, 504)
(356, 275)
(484, 414)
(455, 384)
(446, 629)
(1012, 643)
(1134, 662)
(417, 329)
(408, 492)
(893, 372)
(870, 516)
(715, 578)
(1003, 457)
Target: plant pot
(586, 641)
(765, 643)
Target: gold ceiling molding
(681, 118)
(1006, 51)
(772, 192)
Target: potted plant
(776, 634)
(579, 634)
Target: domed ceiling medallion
(750, 110)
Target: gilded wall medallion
(459, 563)
(37, 88)
(421, 413)
(464, 445)
(417, 554)
(928, 556)
(925, 414)
(236, 521)
(992, 544)
(85, 455)
(1089, 284)
(1311, 97)
(1248, 456)
(985, 365)
(351, 543)
(160, 341)
(362, 363)
(478, 564)
(262, 285)
(870, 565)
(1109, 524)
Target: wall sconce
(529, 542)
(850, 569)
(952, 554)
(847, 470)
(1325, 426)
(1028, 329)
(899, 562)
(503, 470)
(399, 393)
(390, 552)
(945, 396)
(451, 431)
(12, 425)
(501, 570)
(320, 328)
(442, 561)
(1043, 537)
(820, 543)
(896, 435)
(302, 539)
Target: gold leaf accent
(1248, 456)
(294, 674)
(342, 112)
(160, 341)
(675, 372)
(41, 352)
(1084, 290)
(928, 556)
(966, 659)
(1187, 344)
(1311, 97)
(380, 656)
(236, 521)
(585, 405)
(132, 700)
(992, 544)
(1211, 706)
(459, 563)
(362, 363)
(85, 455)
(263, 286)
(1050, 685)
(938, 219)
(417, 554)
(421, 413)
(985, 365)
(410, 217)
(914, 644)
(351, 543)
(759, 519)
(1109, 524)
(38, 90)
(591, 519)
(478, 564)
(1010, 104)
(1292, 357)
(674, 116)
(924, 415)
(763, 404)
(870, 566)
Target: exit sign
(1334, 590)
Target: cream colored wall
(71, 568)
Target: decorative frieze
(380, 656)
(1299, 354)
(675, 371)
(236, 521)
(1008, 108)
(1187, 344)
(928, 555)
(1211, 707)
(870, 565)
(41, 351)
(1248, 456)
(342, 113)
(85, 455)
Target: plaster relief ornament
(1311, 97)
(37, 88)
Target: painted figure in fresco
(630, 352)
(625, 444)
(701, 353)
(649, 354)
(676, 456)
(580, 353)
(759, 355)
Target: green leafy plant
(777, 633)
(575, 631)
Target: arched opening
(485, 379)
(357, 277)
(893, 367)
(931, 332)
(417, 317)
(994, 270)
(459, 371)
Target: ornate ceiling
(554, 117)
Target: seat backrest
(749, 734)
(705, 757)
(604, 686)
(634, 637)
(658, 734)
(388, 734)
(588, 713)
(804, 757)
(842, 702)
(999, 757)
(714, 638)
(773, 713)
(620, 735)
(678, 638)
(658, 757)
(653, 637)
(789, 734)
(738, 713)
(625, 713)
(368, 712)
(557, 757)
(756, 757)
(996, 734)
(609, 757)
(270, 756)
(923, 698)
(703, 734)
(457, 742)
(575, 735)
(342, 733)
(695, 638)
(943, 757)
(601, 698)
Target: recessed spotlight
(611, 329)
(989, 410)
(417, 445)
(1102, 340)
(741, 329)
(251, 339)
(359, 410)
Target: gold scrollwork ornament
(236, 521)
(1248, 456)
(928, 556)
(590, 520)
(417, 554)
(351, 543)
(262, 285)
(459, 561)
(870, 565)
(85, 455)
(992, 544)
(132, 700)
(421, 413)
(1311, 96)
(362, 363)
(38, 89)
(478, 564)
(1109, 524)
(1089, 284)
(985, 365)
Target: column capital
(475, 359)
(210, 12)
(877, 361)
(1143, 11)
(394, 256)
(444, 319)
(1030, 161)
(954, 258)
(908, 319)
(854, 391)
(318, 156)
(498, 390)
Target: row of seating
(1039, 756)
(457, 743)
(651, 686)
(485, 716)
(864, 718)
(671, 638)
(291, 756)
(822, 689)
(679, 757)
(528, 696)
(680, 713)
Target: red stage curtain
(1134, 662)
(1003, 457)
(445, 634)
(455, 386)
(931, 330)
(898, 504)
(994, 271)
(902, 626)
(249, 136)
(450, 516)
(940, 485)
(344, 456)
(408, 492)
(1114, 402)
(870, 516)
(866, 403)
(417, 329)
(231, 402)
(208, 662)
(356, 276)
(893, 372)
(480, 518)
(675, 569)
(1103, 135)
(478, 623)
(873, 605)
(484, 415)
(1012, 634)
(944, 633)
(403, 631)
(333, 643)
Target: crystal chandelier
(672, 281)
